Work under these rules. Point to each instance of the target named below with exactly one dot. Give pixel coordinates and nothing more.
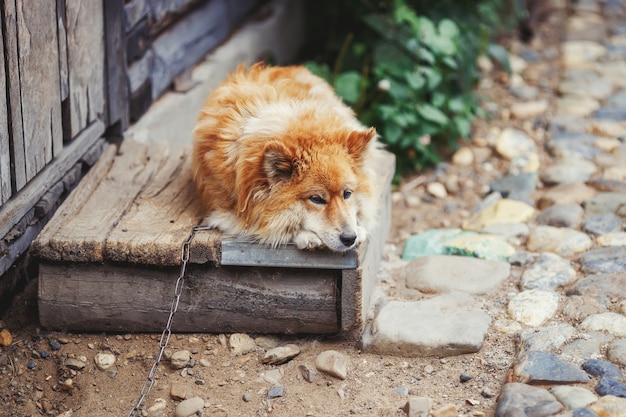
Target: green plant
(409, 74)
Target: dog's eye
(316, 199)
(347, 194)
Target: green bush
(408, 67)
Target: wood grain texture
(125, 298)
(86, 69)
(5, 157)
(82, 237)
(117, 80)
(14, 97)
(12, 211)
(160, 218)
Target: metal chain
(167, 331)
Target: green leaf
(432, 114)
(348, 86)
(427, 30)
(448, 28)
(416, 80)
(456, 105)
(391, 133)
(433, 76)
(463, 126)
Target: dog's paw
(307, 240)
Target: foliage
(408, 67)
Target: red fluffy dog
(278, 157)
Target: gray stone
(275, 392)
(441, 273)
(445, 325)
(603, 223)
(606, 260)
(618, 100)
(280, 354)
(600, 368)
(546, 339)
(522, 400)
(588, 346)
(569, 193)
(562, 241)
(582, 412)
(616, 353)
(612, 323)
(604, 202)
(573, 397)
(512, 143)
(562, 215)
(189, 407)
(517, 187)
(572, 144)
(509, 231)
(525, 92)
(418, 407)
(521, 258)
(533, 307)
(605, 287)
(180, 359)
(548, 272)
(241, 343)
(585, 83)
(578, 307)
(75, 364)
(610, 386)
(546, 368)
(566, 170)
(609, 406)
(332, 363)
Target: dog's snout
(348, 239)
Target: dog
(279, 158)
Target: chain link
(167, 331)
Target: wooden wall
(75, 71)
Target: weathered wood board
(5, 158)
(121, 231)
(85, 56)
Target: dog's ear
(278, 163)
(358, 141)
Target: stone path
(556, 216)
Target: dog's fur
(278, 157)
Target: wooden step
(111, 255)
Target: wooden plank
(63, 71)
(82, 236)
(249, 253)
(85, 51)
(123, 298)
(5, 150)
(357, 286)
(160, 219)
(14, 99)
(39, 83)
(117, 82)
(12, 211)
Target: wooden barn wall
(74, 71)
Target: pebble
(240, 344)
(159, 405)
(332, 363)
(54, 344)
(603, 223)
(180, 359)
(562, 215)
(280, 354)
(437, 190)
(178, 391)
(307, 373)
(612, 239)
(546, 339)
(604, 202)
(600, 368)
(104, 360)
(533, 307)
(516, 187)
(568, 193)
(616, 353)
(426, 327)
(566, 144)
(540, 368)
(503, 211)
(612, 323)
(512, 143)
(189, 407)
(573, 397)
(463, 157)
(562, 241)
(610, 386)
(522, 400)
(75, 364)
(569, 169)
(445, 273)
(465, 377)
(418, 407)
(529, 109)
(479, 245)
(5, 338)
(447, 410)
(275, 392)
(548, 272)
(609, 406)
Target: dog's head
(317, 187)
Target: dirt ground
(238, 385)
